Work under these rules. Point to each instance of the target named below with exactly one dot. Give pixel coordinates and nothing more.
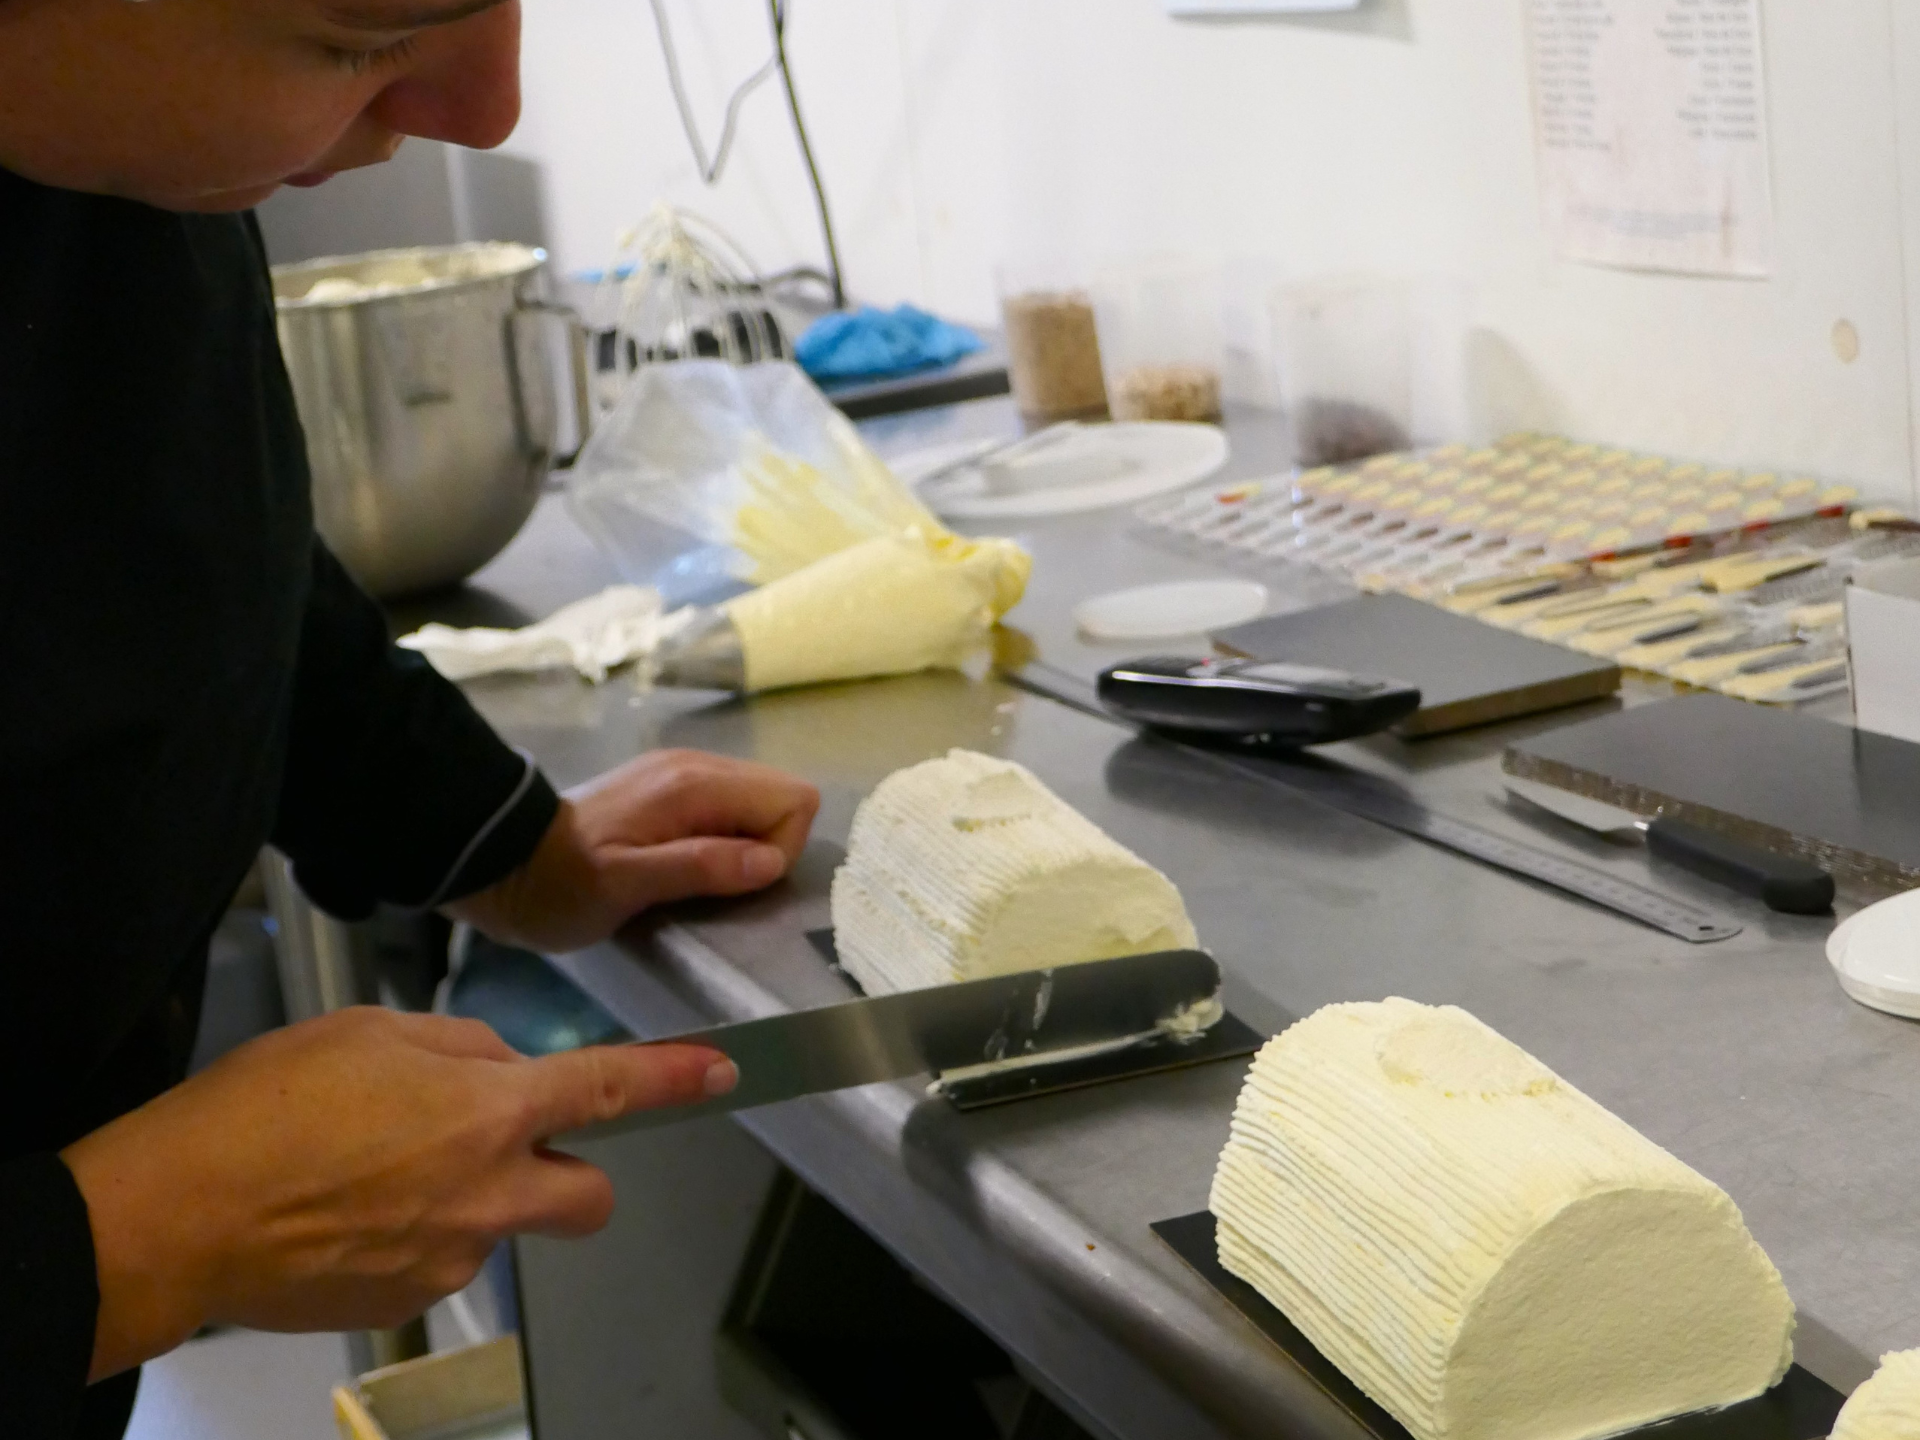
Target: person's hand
(668, 825)
(347, 1172)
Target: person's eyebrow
(418, 17)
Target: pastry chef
(189, 675)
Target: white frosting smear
(968, 866)
(1480, 1247)
(621, 623)
(1183, 1026)
(1887, 1407)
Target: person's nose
(466, 91)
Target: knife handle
(1782, 883)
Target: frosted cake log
(968, 866)
(1887, 1407)
(1484, 1250)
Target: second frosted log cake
(1480, 1247)
(1887, 1406)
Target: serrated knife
(944, 1027)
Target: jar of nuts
(1053, 352)
(1160, 338)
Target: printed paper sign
(1650, 122)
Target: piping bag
(918, 599)
(853, 581)
(855, 578)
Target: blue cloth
(870, 344)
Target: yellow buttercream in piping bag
(793, 514)
(885, 606)
(856, 578)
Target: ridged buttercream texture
(1887, 1407)
(968, 866)
(1480, 1247)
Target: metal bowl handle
(577, 371)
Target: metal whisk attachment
(679, 289)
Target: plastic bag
(707, 477)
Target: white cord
(709, 171)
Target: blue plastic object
(872, 344)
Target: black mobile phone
(1272, 701)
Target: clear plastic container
(1368, 365)
(1160, 338)
(1053, 349)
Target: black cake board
(1230, 1038)
(1800, 1407)
(1469, 673)
(1848, 800)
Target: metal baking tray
(1800, 1407)
(1230, 1039)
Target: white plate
(1095, 466)
(1876, 955)
(1177, 607)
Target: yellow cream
(793, 515)
(1479, 1246)
(1887, 1407)
(886, 606)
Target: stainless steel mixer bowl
(425, 381)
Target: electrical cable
(795, 273)
(802, 286)
(777, 12)
(709, 170)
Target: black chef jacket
(185, 674)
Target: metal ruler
(1357, 793)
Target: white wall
(951, 132)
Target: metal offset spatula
(943, 1027)
(1791, 886)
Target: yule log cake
(1480, 1247)
(968, 866)
(1887, 1407)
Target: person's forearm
(50, 1297)
(556, 876)
(395, 789)
(143, 1256)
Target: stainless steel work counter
(1742, 1057)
